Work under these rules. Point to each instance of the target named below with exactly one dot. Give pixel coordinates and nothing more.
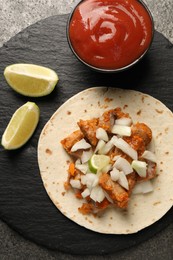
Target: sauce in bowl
(110, 34)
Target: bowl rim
(102, 69)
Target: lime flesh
(98, 162)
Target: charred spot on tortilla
(45, 130)
(108, 99)
(143, 98)
(156, 203)
(68, 112)
(158, 135)
(54, 168)
(104, 106)
(139, 112)
(48, 151)
(159, 111)
(125, 106)
(166, 130)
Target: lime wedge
(97, 162)
(31, 80)
(21, 126)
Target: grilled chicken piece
(131, 178)
(86, 208)
(141, 136)
(97, 208)
(106, 121)
(70, 140)
(143, 131)
(116, 192)
(117, 152)
(88, 128)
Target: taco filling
(110, 161)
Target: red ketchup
(110, 34)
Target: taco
(105, 160)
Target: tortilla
(143, 210)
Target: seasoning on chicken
(132, 179)
(107, 120)
(141, 136)
(143, 131)
(117, 193)
(88, 128)
(70, 140)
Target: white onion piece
(123, 121)
(90, 180)
(76, 184)
(148, 155)
(108, 197)
(106, 148)
(123, 181)
(143, 187)
(107, 168)
(140, 167)
(97, 194)
(123, 165)
(116, 157)
(77, 162)
(121, 130)
(115, 174)
(101, 134)
(86, 155)
(82, 144)
(99, 146)
(82, 167)
(85, 193)
(125, 147)
(151, 146)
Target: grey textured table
(17, 15)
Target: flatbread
(143, 210)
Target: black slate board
(24, 204)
